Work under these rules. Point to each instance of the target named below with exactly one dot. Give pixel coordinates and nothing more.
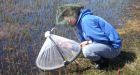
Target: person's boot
(102, 63)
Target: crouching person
(100, 42)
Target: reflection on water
(23, 23)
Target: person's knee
(91, 55)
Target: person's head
(71, 15)
(68, 14)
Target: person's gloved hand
(47, 34)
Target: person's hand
(84, 43)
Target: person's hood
(83, 12)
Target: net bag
(57, 52)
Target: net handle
(59, 50)
(52, 29)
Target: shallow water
(23, 23)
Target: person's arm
(91, 29)
(111, 33)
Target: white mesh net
(56, 51)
